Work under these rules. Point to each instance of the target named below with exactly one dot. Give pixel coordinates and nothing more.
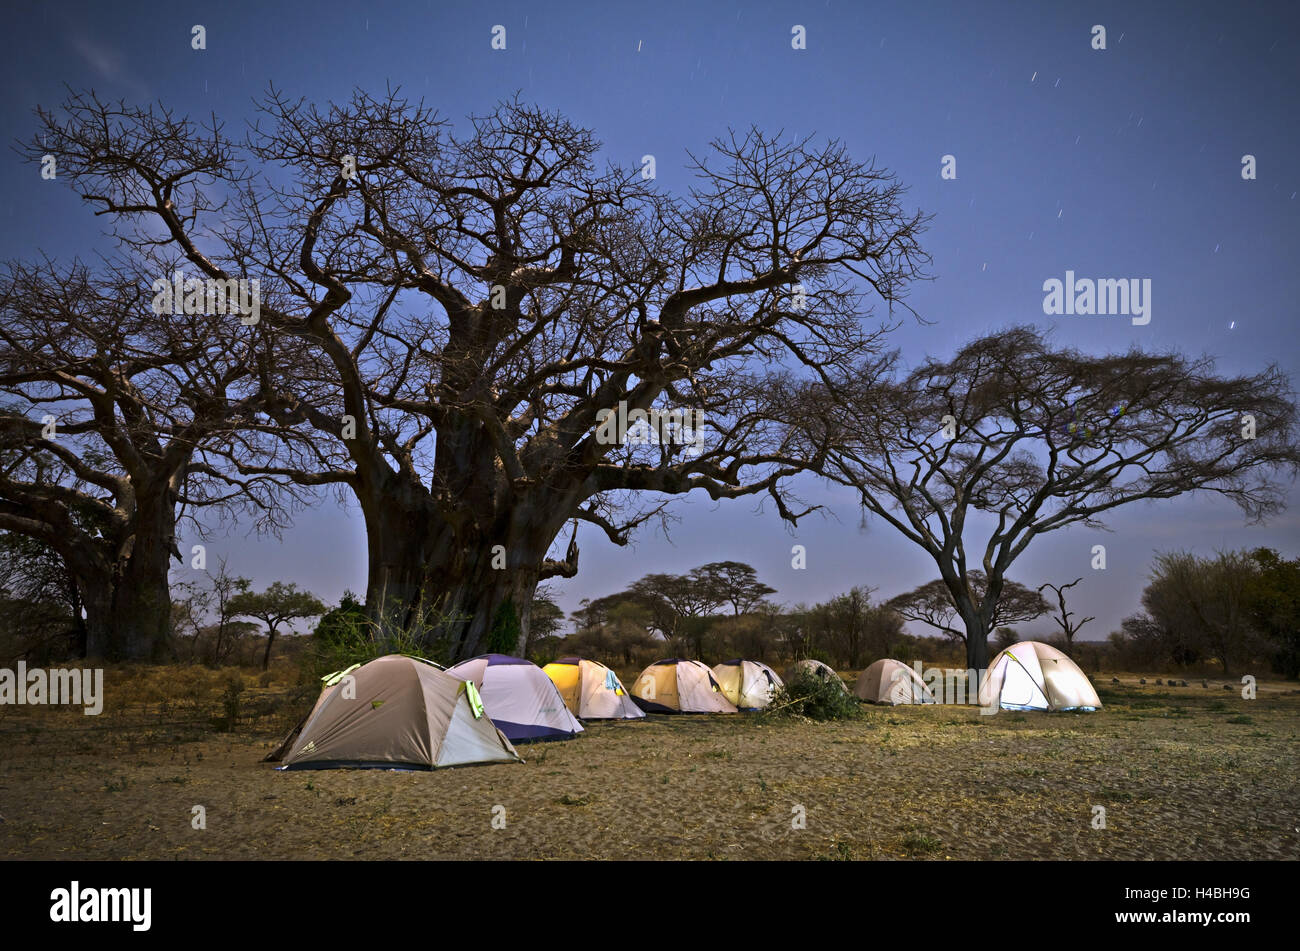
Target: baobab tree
(1017, 437)
(448, 320)
(108, 413)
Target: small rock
(1227, 686)
(1159, 682)
(1114, 680)
(1142, 680)
(1182, 683)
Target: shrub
(805, 694)
(230, 704)
(917, 843)
(349, 637)
(341, 624)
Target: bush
(343, 623)
(807, 695)
(229, 717)
(349, 637)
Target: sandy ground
(1182, 773)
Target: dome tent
(591, 690)
(521, 700)
(817, 669)
(1032, 675)
(891, 681)
(748, 684)
(680, 686)
(395, 712)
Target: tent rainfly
(1032, 675)
(748, 684)
(591, 691)
(680, 686)
(891, 681)
(396, 712)
(521, 700)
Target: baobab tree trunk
(401, 557)
(142, 604)
(440, 583)
(123, 589)
(128, 613)
(475, 602)
(97, 600)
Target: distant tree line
(722, 610)
(1237, 610)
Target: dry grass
(1183, 773)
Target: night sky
(1116, 163)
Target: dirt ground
(1182, 773)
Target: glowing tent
(591, 691)
(680, 686)
(521, 700)
(1031, 675)
(747, 683)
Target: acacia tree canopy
(933, 604)
(280, 603)
(1014, 437)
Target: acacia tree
(932, 603)
(109, 415)
(734, 583)
(279, 604)
(679, 606)
(448, 318)
(1023, 438)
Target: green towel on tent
(475, 701)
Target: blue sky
(1123, 162)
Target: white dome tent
(1032, 675)
(591, 690)
(893, 682)
(748, 684)
(817, 669)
